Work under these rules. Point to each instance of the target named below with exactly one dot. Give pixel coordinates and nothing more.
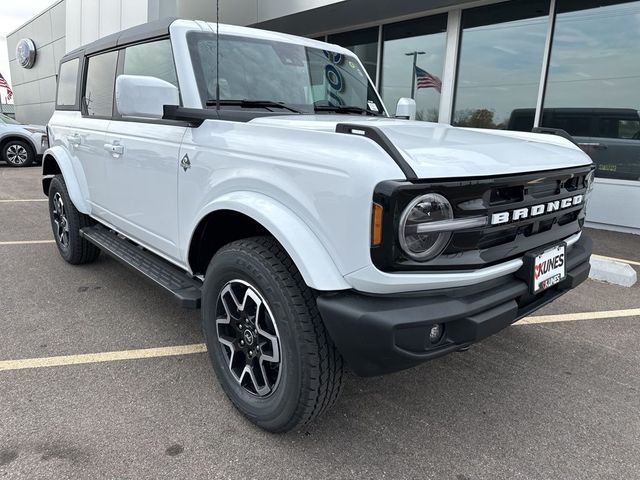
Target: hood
(436, 150)
(39, 128)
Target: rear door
(618, 140)
(88, 137)
(143, 159)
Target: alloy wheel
(60, 220)
(249, 336)
(17, 154)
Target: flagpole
(413, 71)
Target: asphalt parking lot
(554, 396)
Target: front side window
(154, 59)
(303, 78)
(68, 83)
(98, 94)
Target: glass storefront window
(500, 62)
(593, 86)
(364, 43)
(423, 40)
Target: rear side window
(154, 59)
(628, 129)
(575, 125)
(98, 94)
(68, 83)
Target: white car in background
(21, 145)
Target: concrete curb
(617, 273)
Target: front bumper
(386, 333)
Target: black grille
(484, 246)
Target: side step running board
(185, 288)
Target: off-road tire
(77, 251)
(312, 369)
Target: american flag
(4, 84)
(426, 80)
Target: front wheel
(18, 153)
(266, 340)
(66, 222)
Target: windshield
(303, 78)
(8, 120)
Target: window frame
(122, 54)
(83, 90)
(79, 82)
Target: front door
(143, 159)
(143, 169)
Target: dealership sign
(26, 53)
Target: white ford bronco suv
(259, 177)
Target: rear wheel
(266, 340)
(66, 223)
(18, 153)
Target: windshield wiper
(253, 104)
(346, 109)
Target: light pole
(413, 71)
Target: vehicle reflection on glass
(611, 136)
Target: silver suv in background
(21, 145)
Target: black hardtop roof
(139, 33)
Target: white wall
(89, 20)
(35, 89)
(237, 12)
(615, 205)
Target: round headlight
(428, 208)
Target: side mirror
(406, 108)
(145, 97)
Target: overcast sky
(12, 15)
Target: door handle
(74, 140)
(114, 149)
(594, 145)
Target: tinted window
(68, 83)
(420, 42)
(574, 124)
(628, 129)
(151, 59)
(98, 95)
(501, 53)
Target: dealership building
(519, 64)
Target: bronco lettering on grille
(535, 210)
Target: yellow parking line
(102, 357)
(27, 242)
(25, 200)
(7, 365)
(570, 317)
(631, 262)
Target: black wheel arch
(216, 230)
(50, 168)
